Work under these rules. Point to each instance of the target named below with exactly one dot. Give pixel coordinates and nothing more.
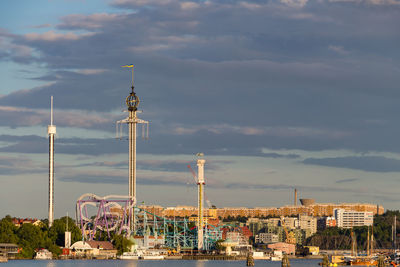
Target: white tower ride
(132, 103)
(200, 183)
(51, 131)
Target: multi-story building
(351, 218)
(267, 238)
(308, 222)
(316, 209)
(239, 238)
(326, 222)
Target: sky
(278, 95)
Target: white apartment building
(350, 218)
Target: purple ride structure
(112, 213)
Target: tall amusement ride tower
(51, 131)
(132, 102)
(200, 186)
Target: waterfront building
(101, 249)
(351, 218)
(289, 249)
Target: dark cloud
(364, 163)
(327, 79)
(277, 155)
(20, 165)
(104, 179)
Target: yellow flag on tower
(128, 66)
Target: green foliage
(337, 238)
(8, 231)
(218, 246)
(121, 243)
(57, 231)
(239, 218)
(31, 238)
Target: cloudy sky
(277, 94)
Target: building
(315, 209)
(308, 222)
(289, 249)
(95, 249)
(267, 238)
(351, 218)
(313, 250)
(325, 222)
(149, 241)
(238, 237)
(10, 249)
(20, 221)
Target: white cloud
(338, 49)
(373, 2)
(142, 2)
(189, 5)
(93, 21)
(52, 36)
(90, 71)
(70, 118)
(295, 3)
(251, 6)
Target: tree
(8, 231)
(57, 231)
(121, 243)
(31, 238)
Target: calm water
(165, 263)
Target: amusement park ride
(116, 214)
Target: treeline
(338, 238)
(30, 237)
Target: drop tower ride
(132, 102)
(51, 132)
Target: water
(150, 263)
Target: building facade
(351, 218)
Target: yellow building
(313, 250)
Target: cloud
(47, 25)
(364, 163)
(91, 71)
(52, 36)
(373, 2)
(19, 117)
(20, 165)
(347, 180)
(295, 3)
(127, 3)
(96, 178)
(338, 49)
(93, 21)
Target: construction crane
(290, 237)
